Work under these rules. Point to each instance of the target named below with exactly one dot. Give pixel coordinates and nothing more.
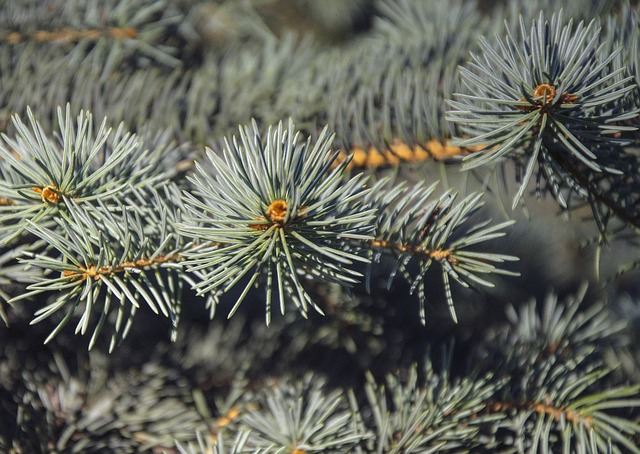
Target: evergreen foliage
(271, 152)
(555, 98)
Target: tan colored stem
(67, 35)
(92, 272)
(399, 152)
(570, 415)
(435, 254)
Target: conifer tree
(319, 226)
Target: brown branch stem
(93, 272)
(67, 35)
(582, 180)
(572, 416)
(435, 254)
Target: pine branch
(414, 229)
(552, 97)
(557, 392)
(39, 174)
(289, 213)
(576, 9)
(278, 210)
(103, 227)
(220, 446)
(302, 417)
(112, 32)
(390, 87)
(436, 413)
(397, 153)
(107, 257)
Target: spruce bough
(173, 282)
